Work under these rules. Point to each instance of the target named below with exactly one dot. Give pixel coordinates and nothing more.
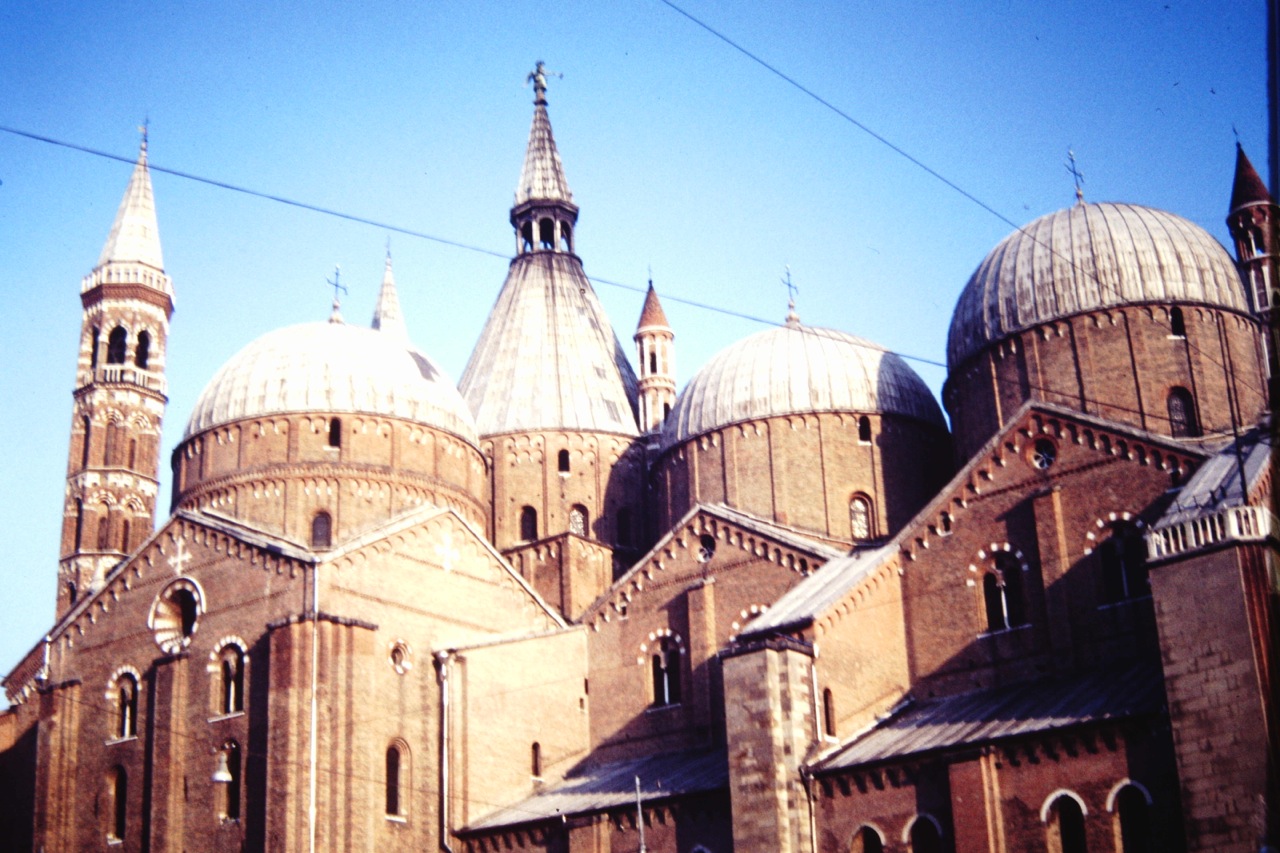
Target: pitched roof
(613, 785)
(1004, 712)
(135, 236)
(1215, 485)
(1247, 188)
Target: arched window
(653, 361)
(528, 524)
(666, 673)
(322, 530)
(188, 610)
(526, 237)
(1183, 422)
(860, 518)
(142, 353)
(88, 437)
(126, 706)
(566, 237)
(79, 533)
(828, 713)
(547, 234)
(864, 429)
(925, 836)
(1177, 325)
(117, 343)
(578, 520)
(867, 840)
(562, 461)
(124, 535)
(104, 530)
(1133, 813)
(1002, 595)
(335, 432)
(230, 679)
(1066, 826)
(229, 798)
(93, 352)
(535, 756)
(394, 780)
(1123, 562)
(71, 592)
(118, 803)
(132, 462)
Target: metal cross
(336, 284)
(792, 290)
(1076, 174)
(180, 557)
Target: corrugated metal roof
(1215, 485)
(547, 357)
(1086, 257)
(1005, 712)
(794, 369)
(613, 785)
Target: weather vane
(538, 77)
(143, 128)
(1075, 174)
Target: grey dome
(332, 367)
(795, 369)
(1087, 257)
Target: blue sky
(684, 156)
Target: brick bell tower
(114, 454)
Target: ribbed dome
(794, 369)
(1087, 257)
(332, 367)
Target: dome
(794, 369)
(1087, 257)
(332, 367)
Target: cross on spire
(793, 319)
(1076, 174)
(337, 285)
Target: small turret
(1252, 219)
(655, 350)
(386, 314)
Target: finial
(1076, 175)
(793, 319)
(538, 77)
(337, 285)
(143, 128)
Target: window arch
(229, 797)
(528, 524)
(1132, 805)
(578, 518)
(546, 234)
(566, 237)
(1064, 818)
(828, 713)
(1183, 422)
(104, 529)
(1177, 325)
(88, 436)
(126, 706)
(335, 432)
(1122, 561)
(230, 679)
(535, 759)
(396, 780)
(118, 803)
(93, 351)
(867, 840)
(321, 530)
(864, 429)
(666, 672)
(79, 531)
(117, 343)
(1002, 594)
(925, 836)
(860, 518)
(142, 352)
(562, 461)
(526, 237)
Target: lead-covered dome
(1087, 257)
(797, 369)
(332, 368)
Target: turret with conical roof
(1252, 219)
(655, 349)
(549, 383)
(114, 453)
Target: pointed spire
(386, 314)
(542, 177)
(1247, 188)
(135, 237)
(652, 314)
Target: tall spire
(386, 314)
(542, 176)
(135, 237)
(655, 348)
(1247, 188)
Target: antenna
(1076, 174)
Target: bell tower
(119, 398)
(655, 349)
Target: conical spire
(652, 315)
(1247, 188)
(135, 237)
(542, 177)
(386, 314)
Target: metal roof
(332, 367)
(613, 785)
(547, 357)
(1086, 257)
(818, 592)
(795, 369)
(1004, 712)
(542, 175)
(1215, 485)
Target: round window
(1043, 453)
(175, 615)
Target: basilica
(564, 606)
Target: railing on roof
(1234, 524)
(125, 374)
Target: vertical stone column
(770, 726)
